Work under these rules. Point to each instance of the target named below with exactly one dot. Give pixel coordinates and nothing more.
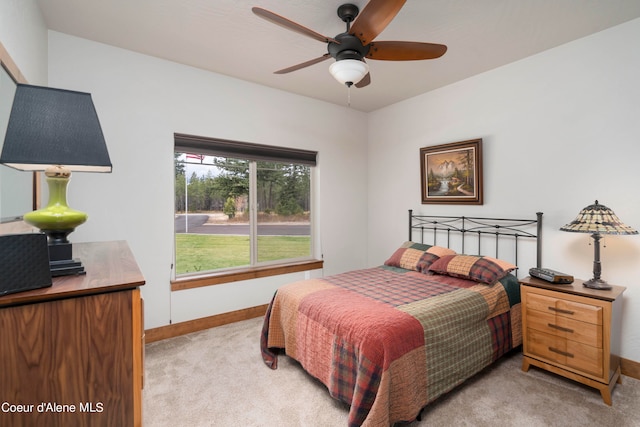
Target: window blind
(242, 150)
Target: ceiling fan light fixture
(349, 71)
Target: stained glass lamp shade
(597, 219)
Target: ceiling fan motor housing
(350, 47)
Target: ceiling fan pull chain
(349, 96)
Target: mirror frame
(14, 72)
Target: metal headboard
(483, 228)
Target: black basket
(24, 262)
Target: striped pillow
(477, 268)
(417, 256)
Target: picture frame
(452, 173)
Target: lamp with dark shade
(597, 219)
(56, 131)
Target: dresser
(72, 354)
(573, 331)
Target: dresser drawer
(565, 327)
(581, 357)
(563, 308)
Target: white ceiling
(224, 36)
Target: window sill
(244, 274)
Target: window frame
(253, 153)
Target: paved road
(197, 224)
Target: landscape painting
(452, 173)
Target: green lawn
(205, 252)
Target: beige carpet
(216, 378)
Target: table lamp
(56, 131)
(597, 219)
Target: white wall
(24, 35)
(560, 129)
(141, 102)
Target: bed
(389, 340)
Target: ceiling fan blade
(374, 18)
(303, 65)
(366, 80)
(405, 51)
(290, 25)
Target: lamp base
(61, 262)
(59, 251)
(57, 220)
(66, 267)
(597, 284)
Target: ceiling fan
(350, 48)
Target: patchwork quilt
(388, 340)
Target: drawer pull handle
(563, 353)
(559, 310)
(560, 328)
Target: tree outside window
(218, 227)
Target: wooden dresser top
(109, 266)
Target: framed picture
(452, 173)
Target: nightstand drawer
(572, 354)
(564, 308)
(563, 327)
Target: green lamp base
(57, 220)
(57, 215)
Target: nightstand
(573, 331)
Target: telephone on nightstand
(551, 276)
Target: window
(240, 205)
